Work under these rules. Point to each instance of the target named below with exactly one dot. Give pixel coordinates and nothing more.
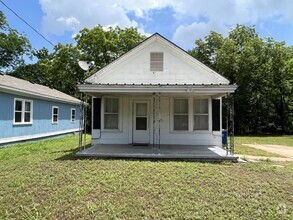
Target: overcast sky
(180, 21)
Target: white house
(157, 94)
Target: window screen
(181, 114)
(111, 113)
(27, 111)
(141, 116)
(201, 114)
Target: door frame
(133, 118)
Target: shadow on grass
(155, 160)
(70, 154)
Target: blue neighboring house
(29, 111)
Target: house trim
(127, 88)
(55, 122)
(35, 136)
(72, 120)
(23, 112)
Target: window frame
(119, 127)
(201, 114)
(72, 120)
(180, 114)
(23, 111)
(53, 122)
(152, 69)
(190, 115)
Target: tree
(104, 46)
(13, 46)
(261, 69)
(60, 69)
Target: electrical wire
(27, 23)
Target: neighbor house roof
(10, 84)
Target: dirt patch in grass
(252, 158)
(246, 150)
(284, 151)
(242, 141)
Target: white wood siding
(135, 68)
(124, 135)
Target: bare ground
(285, 151)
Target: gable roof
(12, 84)
(211, 77)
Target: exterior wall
(177, 69)
(167, 136)
(42, 117)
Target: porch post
(81, 123)
(85, 120)
(231, 130)
(156, 122)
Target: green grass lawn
(43, 180)
(242, 149)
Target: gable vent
(156, 61)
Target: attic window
(157, 61)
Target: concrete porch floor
(197, 153)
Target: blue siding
(42, 117)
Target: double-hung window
(23, 113)
(180, 114)
(201, 114)
(55, 114)
(111, 113)
(73, 115)
(190, 114)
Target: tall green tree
(104, 46)
(13, 46)
(60, 69)
(261, 68)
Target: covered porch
(172, 152)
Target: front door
(141, 130)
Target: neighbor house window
(73, 114)
(180, 114)
(201, 114)
(55, 114)
(111, 113)
(156, 61)
(23, 113)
